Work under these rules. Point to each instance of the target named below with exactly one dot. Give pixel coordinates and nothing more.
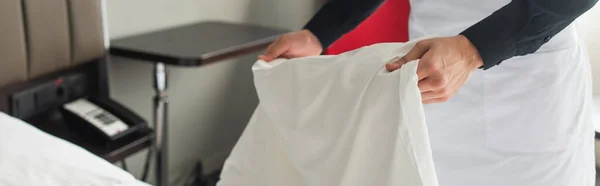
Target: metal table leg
(160, 124)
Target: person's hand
(444, 66)
(297, 44)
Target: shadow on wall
(209, 108)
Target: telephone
(101, 121)
(99, 118)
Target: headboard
(44, 41)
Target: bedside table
(192, 45)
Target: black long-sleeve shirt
(521, 27)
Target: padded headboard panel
(13, 57)
(38, 37)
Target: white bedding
(31, 157)
(335, 121)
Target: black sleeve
(522, 27)
(338, 17)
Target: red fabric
(389, 23)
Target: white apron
(526, 122)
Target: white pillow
(29, 156)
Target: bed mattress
(29, 156)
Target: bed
(41, 41)
(29, 156)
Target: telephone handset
(101, 121)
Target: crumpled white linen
(339, 120)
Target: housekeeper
(506, 84)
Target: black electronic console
(51, 93)
(73, 101)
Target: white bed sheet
(31, 157)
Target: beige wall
(209, 106)
(138, 16)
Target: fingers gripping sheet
(335, 121)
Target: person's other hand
(445, 65)
(297, 44)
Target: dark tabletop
(195, 44)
